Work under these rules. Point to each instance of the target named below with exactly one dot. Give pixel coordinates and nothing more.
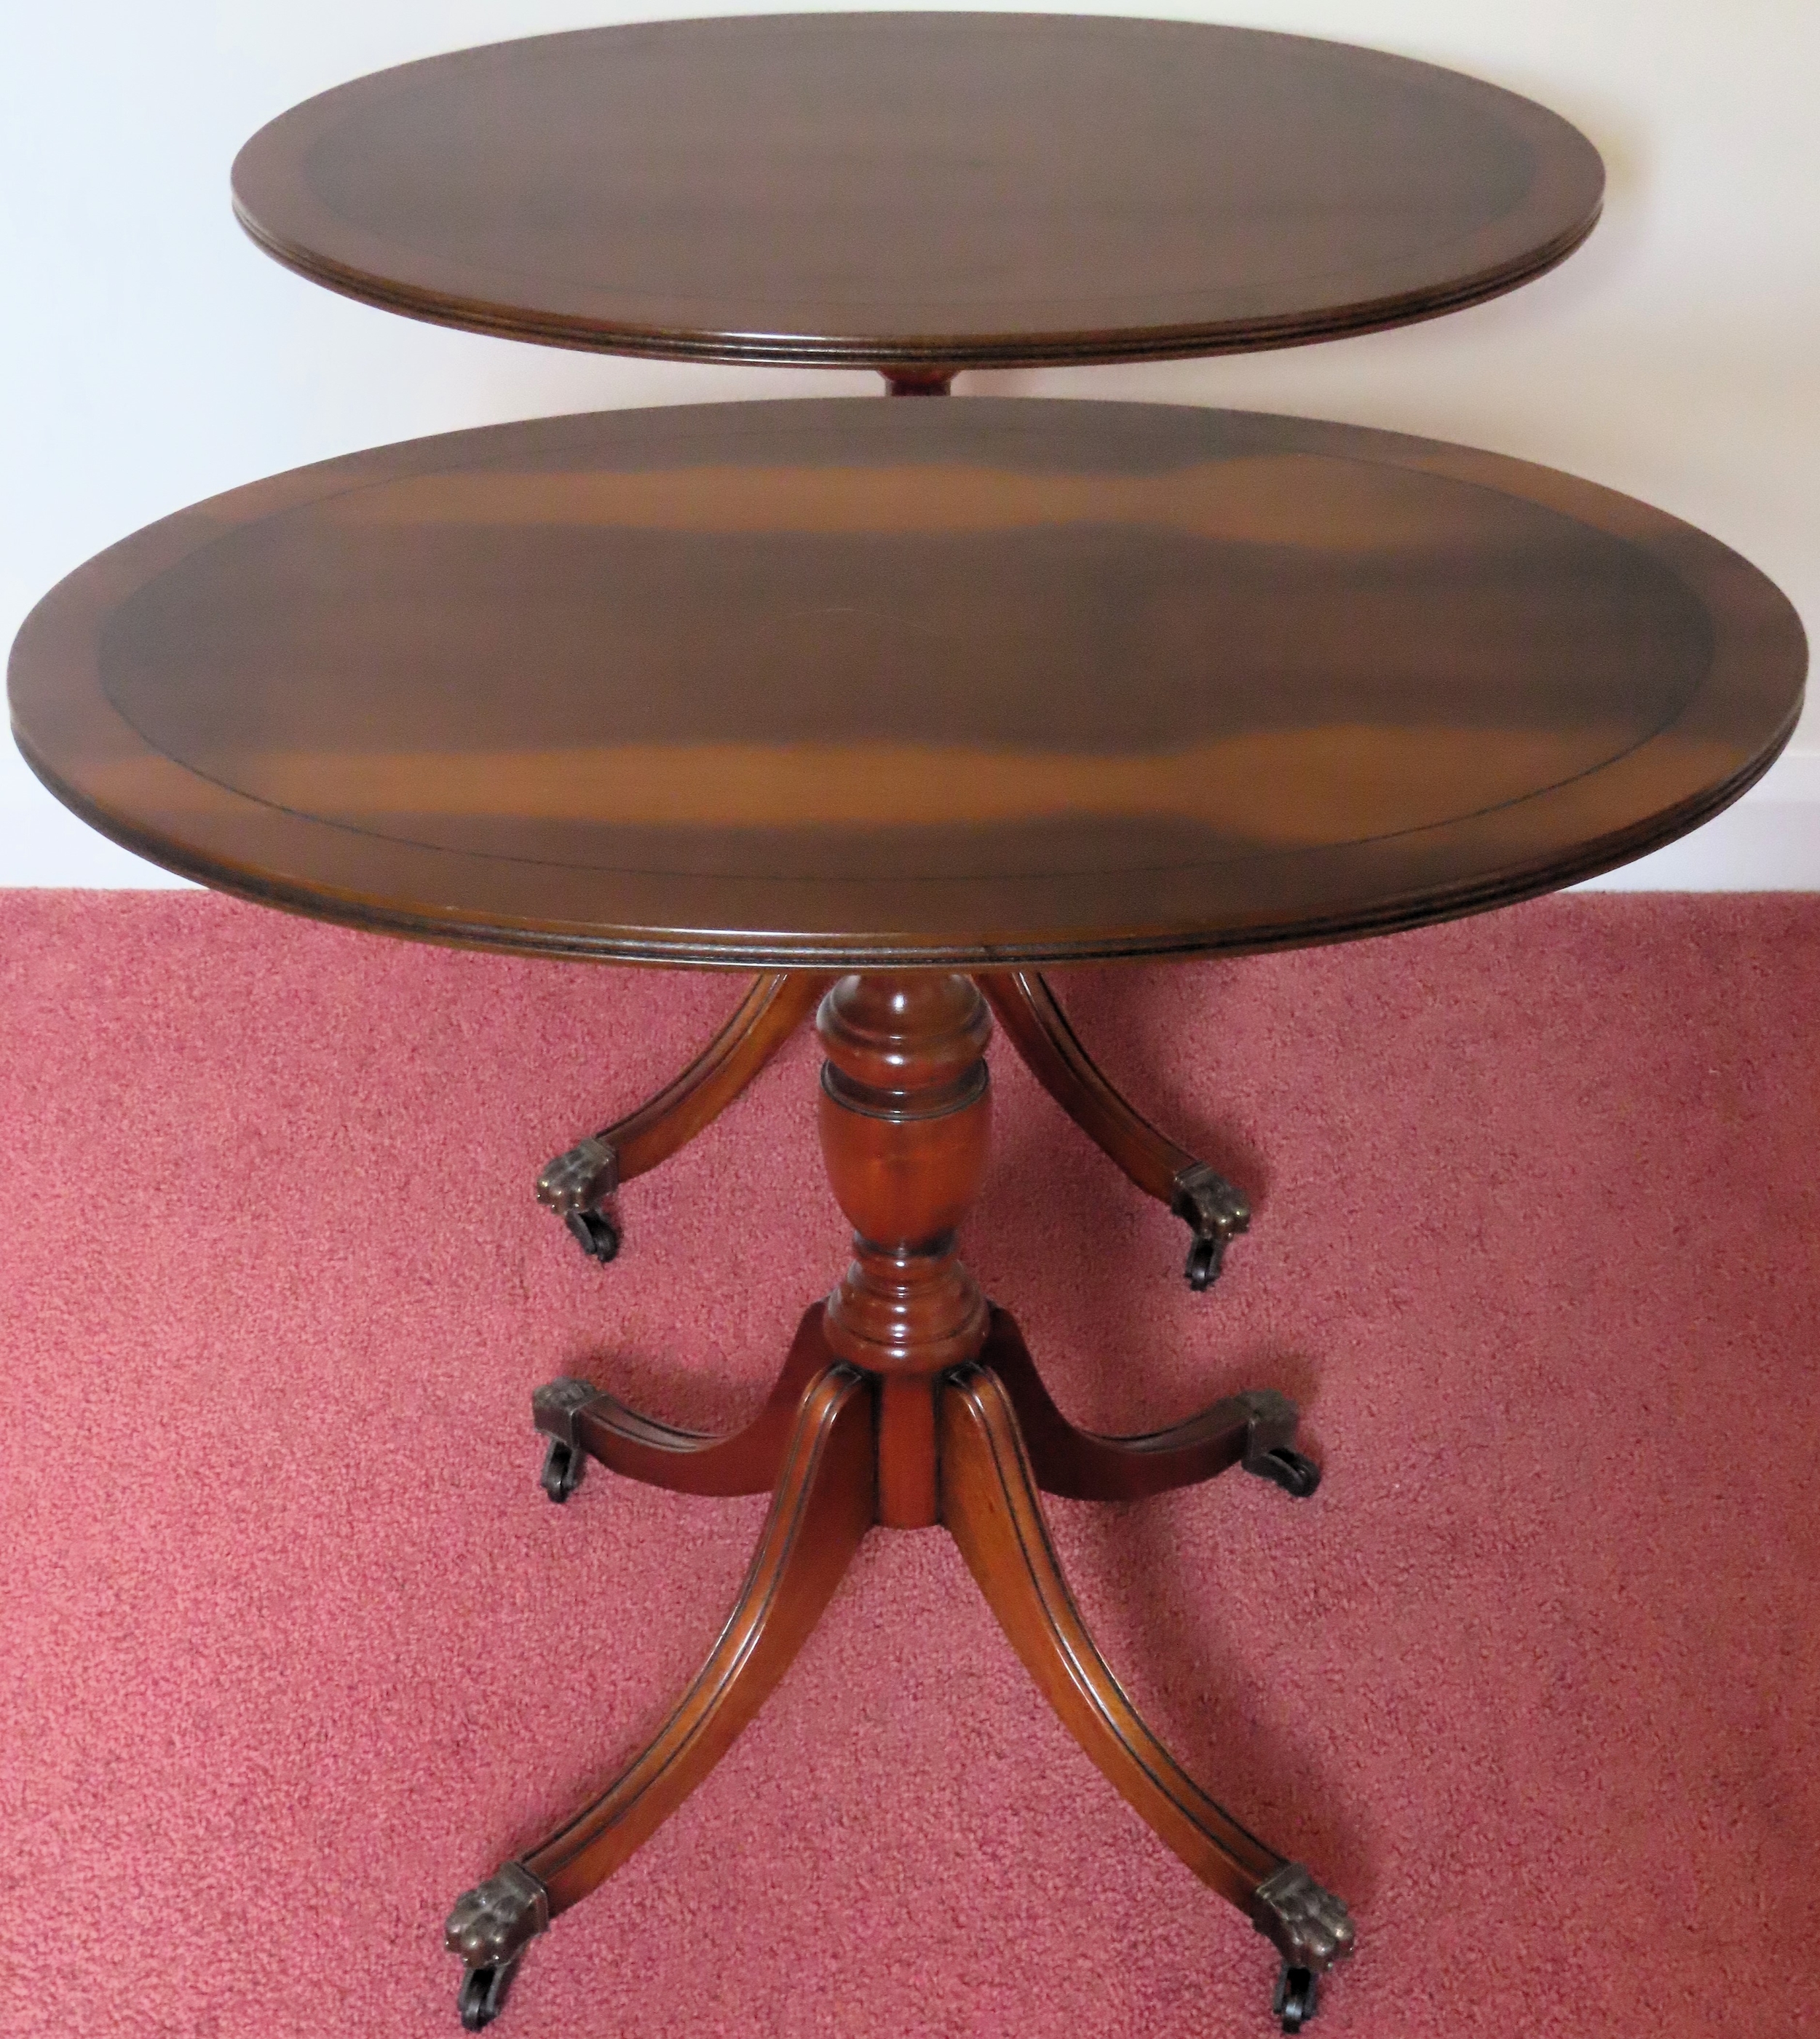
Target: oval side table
(919, 193)
(899, 703)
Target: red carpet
(294, 1649)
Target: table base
(580, 1183)
(906, 1402)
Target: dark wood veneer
(903, 190)
(974, 683)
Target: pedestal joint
(904, 1114)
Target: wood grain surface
(979, 682)
(907, 189)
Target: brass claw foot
(1268, 1453)
(1216, 1214)
(1311, 1929)
(490, 1928)
(575, 1185)
(580, 1180)
(554, 1408)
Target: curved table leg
(580, 1181)
(1213, 1208)
(1255, 1429)
(825, 1504)
(582, 1422)
(990, 1507)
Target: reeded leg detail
(990, 1505)
(583, 1422)
(579, 1182)
(824, 1505)
(1214, 1210)
(1252, 1430)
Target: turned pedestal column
(904, 1116)
(907, 1401)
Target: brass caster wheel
(1298, 1992)
(1296, 1475)
(483, 1995)
(564, 1465)
(595, 1233)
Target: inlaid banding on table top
(1326, 507)
(1298, 789)
(1004, 678)
(907, 188)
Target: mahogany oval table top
(918, 189)
(972, 681)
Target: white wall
(149, 354)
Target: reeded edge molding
(848, 952)
(1036, 350)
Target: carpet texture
(294, 1650)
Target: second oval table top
(926, 190)
(959, 680)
